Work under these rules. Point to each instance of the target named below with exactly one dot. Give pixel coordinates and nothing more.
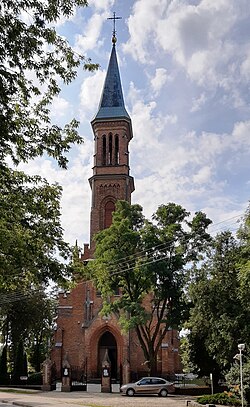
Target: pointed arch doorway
(108, 341)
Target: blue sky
(185, 71)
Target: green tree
(218, 315)
(147, 258)
(20, 363)
(31, 236)
(4, 377)
(233, 378)
(33, 61)
(185, 354)
(41, 329)
(244, 261)
(28, 317)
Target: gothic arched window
(104, 150)
(109, 209)
(116, 149)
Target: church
(82, 335)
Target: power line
(124, 261)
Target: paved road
(86, 399)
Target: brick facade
(82, 333)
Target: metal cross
(114, 18)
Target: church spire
(112, 127)
(112, 103)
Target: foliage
(31, 237)
(185, 354)
(35, 378)
(219, 398)
(244, 261)
(147, 258)
(233, 378)
(34, 59)
(20, 363)
(34, 62)
(4, 377)
(35, 331)
(218, 315)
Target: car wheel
(130, 392)
(163, 393)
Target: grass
(20, 391)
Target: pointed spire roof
(112, 103)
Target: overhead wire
(125, 263)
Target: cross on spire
(114, 31)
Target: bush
(233, 378)
(225, 399)
(35, 378)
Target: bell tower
(112, 130)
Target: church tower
(83, 336)
(112, 133)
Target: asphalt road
(85, 399)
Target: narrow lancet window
(104, 151)
(116, 149)
(110, 149)
(109, 209)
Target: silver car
(148, 385)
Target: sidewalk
(87, 399)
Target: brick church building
(82, 335)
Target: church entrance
(107, 341)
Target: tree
(4, 377)
(218, 317)
(33, 61)
(185, 351)
(34, 331)
(41, 329)
(244, 261)
(31, 236)
(20, 363)
(233, 378)
(147, 258)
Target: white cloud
(197, 37)
(141, 25)
(90, 93)
(245, 68)
(203, 175)
(75, 203)
(241, 138)
(198, 103)
(105, 5)
(60, 107)
(90, 40)
(158, 81)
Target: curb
(15, 403)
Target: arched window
(110, 148)
(109, 209)
(116, 149)
(104, 150)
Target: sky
(185, 72)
